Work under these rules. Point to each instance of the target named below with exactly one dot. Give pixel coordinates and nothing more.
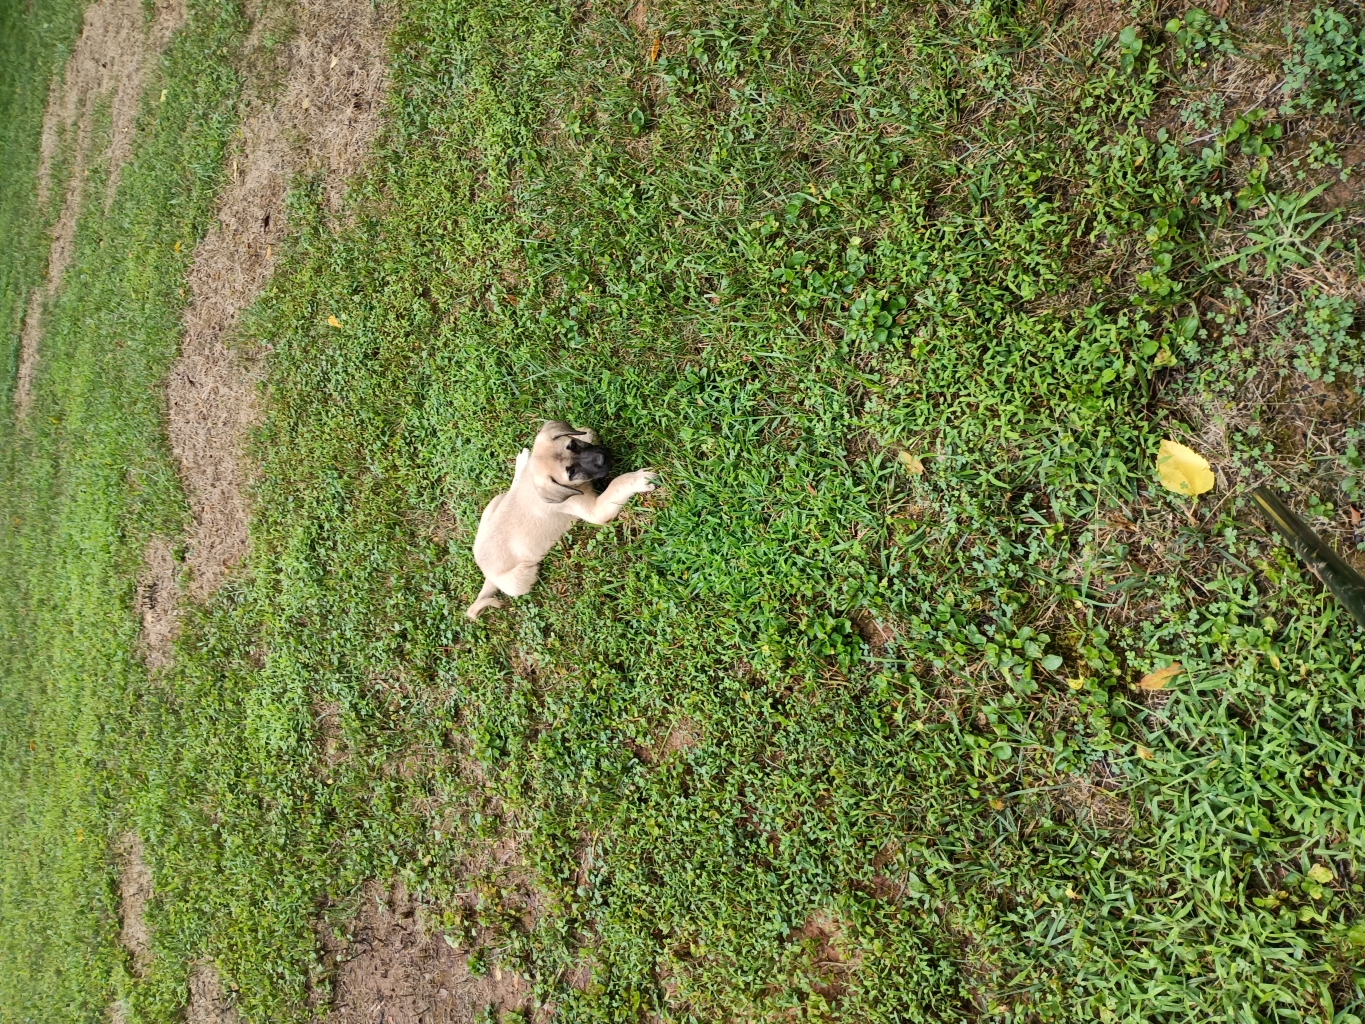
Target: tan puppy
(551, 488)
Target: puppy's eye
(574, 446)
(572, 471)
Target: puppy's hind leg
(519, 579)
(487, 599)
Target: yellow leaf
(333, 322)
(912, 463)
(1182, 469)
(998, 804)
(1157, 680)
(177, 246)
(1145, 753)
(1076, 683)
(1321, 874)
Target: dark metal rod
(1327, 565)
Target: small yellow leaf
(1182, 469)
(333, 322)
(1145, 753)
(654, 51)
(335, 58)
(998, 804)
(912, 463)
(177, 246)
(1157, 680)
(1072, 893)
(1076, 683)
(163, 96)
(1321, 874)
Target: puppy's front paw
(645, 481)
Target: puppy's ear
(553, 494)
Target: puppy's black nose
(594, 461)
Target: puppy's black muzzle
(593, 461)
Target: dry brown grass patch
(112, 59)
(1090, 20)
(321, 122)
(1095, 799)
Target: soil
(831, 968)
(320, 122)
(112, 58)
(156, 604)
(386, 968)
(134, 890)
(207, 1005)
(682, 735)
(639, 16)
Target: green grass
(87, 479)
(803, 241)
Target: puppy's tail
(486, 599)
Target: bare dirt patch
(387, 968)
(156, 604)
(112, 58)
(320, 122)
(824, 937)
(875, 634)
(683, 734)
(639, 16)
(134, 890)
(207, 1004)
